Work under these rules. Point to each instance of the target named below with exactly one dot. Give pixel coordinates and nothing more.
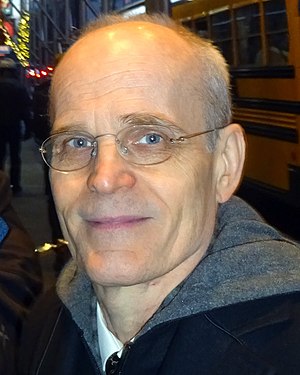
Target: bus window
(276, 32)
(247, 22)
(201, 27)
(188, 24)
(119, 4)
(221, 33)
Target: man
(14, 108)
(169, 272)
(20, 278)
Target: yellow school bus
(260, 40)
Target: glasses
(138, 144)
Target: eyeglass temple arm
(185, 137)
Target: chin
(117, 270)
(114, 279)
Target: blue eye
(152, 138)
(80, 142)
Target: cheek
(196, 188)
(65, 196)
(59, 189)
(193, 173)
(66, 187)
(66, 191)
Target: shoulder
(52, 342)
(43, 315)
(253, 313)
(254, 337)
(268, 327)
(38, 329)
(20, 273)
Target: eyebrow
(69, 128)
(138, 118)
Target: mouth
(118, 222)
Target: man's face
(130, 224)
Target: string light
(21, 48)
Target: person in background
(20, 278)
(171, 273)
(15, 106)
(40, 103)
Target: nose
(108, 171)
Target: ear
(230, 161)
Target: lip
(118, 222)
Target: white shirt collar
(108, 342)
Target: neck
(125, 319)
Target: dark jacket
(15, 105)
(41, 123)
(251, 338)
(236, 313)
(20, 279)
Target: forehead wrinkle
(92, 85)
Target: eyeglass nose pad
(94, 151)
(122, 149)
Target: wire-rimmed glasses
(138, 144)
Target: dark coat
(15, 105)
(20, 279)
(40, 123)
(250, 338)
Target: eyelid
(176, 130)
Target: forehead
(126, 40)
(134, 43)
(127, 67)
